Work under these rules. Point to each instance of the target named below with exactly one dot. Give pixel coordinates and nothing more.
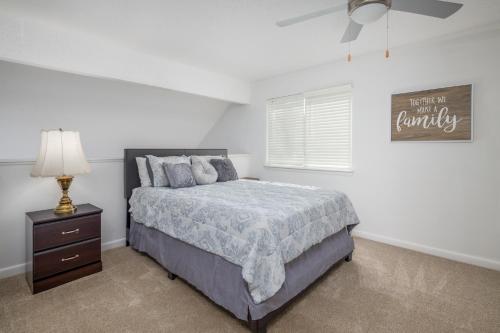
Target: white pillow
(204, 173)
(156, 164)
(197, 158)
(143, 171)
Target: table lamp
(61, 156)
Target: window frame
(334, 169)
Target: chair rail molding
(21, 161)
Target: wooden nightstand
(62, 248)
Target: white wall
(110, 116)
(441, 198)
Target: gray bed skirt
(221, 280)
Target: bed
(249, 246)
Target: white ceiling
(239, 37)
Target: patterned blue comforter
(259, 226)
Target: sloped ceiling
(110, 115)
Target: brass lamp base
(65, 204)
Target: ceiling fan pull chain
(349, 56)
(387, 36)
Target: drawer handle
(71, 258)
(71, 232)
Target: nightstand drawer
(49, 235)
(62, 259)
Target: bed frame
(132, 181)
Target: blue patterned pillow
(179, 175)
(225, 169)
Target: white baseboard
(21, 268)
(112, 244)
(12, 270)
(456, 256)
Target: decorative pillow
(197, 158)
(225, 169)
(179, 175)
(156, 164)
(143, 171)
(204, 173)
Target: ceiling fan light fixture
(368, 11)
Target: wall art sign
(443, 114)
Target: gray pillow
(179, 175)
(156, 164)
(225, 169)
(204, 173)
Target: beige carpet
(384, 289)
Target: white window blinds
(310, 130)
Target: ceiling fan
(362, 12)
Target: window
(310, 130)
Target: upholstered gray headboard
(131, 173)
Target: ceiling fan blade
(352, 32)
(309, 16)
(434, 8)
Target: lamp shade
(242, 164)
(61, 154)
